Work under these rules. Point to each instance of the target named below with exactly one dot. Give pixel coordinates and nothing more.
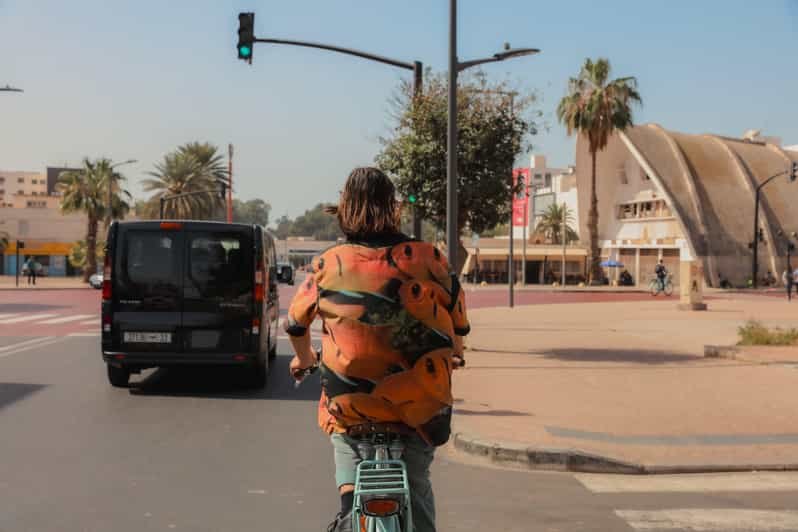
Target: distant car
(285, 272)
(96, 281)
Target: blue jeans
(661, 283)
(417, 457)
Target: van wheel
(117, 376)
(258, 375)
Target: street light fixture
(455, 66)
(111, 192)
(9, 88)
(792, 173)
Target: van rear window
(151, 258)
(219, 266)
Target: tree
(550, 224)
(254, 211)
(78, 256)
(493, 129)
(192, 167)
(317, 223)
(86, 190)
(283, 227)
(597, 107)
(179, 173)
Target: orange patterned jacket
(390, 309)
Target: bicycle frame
(380, 478)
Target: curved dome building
(673, 196)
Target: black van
(186, 292)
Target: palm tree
(179, 173)
(550, 224)
(211, 166)
(597, 108)
(86, 190)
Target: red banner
(521, 196)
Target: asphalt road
(191, 450)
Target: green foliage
(283, 227)
(597, 107)
(493, 130)
(316, 223)
(755, 333)
(254, 211)
(190, 168)
(77, 254)
(550, 224)
(86, 190)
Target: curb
(576, 461)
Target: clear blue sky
(134, 79)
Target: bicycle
(382, 489)
(655, 286)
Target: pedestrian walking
(30, 266)
(788, 280)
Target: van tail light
(107, 291)
(382, 507)
(255, 325)
(260, 290)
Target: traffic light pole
(418, 82)
(230, 183)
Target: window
(34, 182)
(2, 191)
(34, 193)
(538, 177)
(20, 192)
(548, 180)
(622, 175)
(150, 259)
(20, 180)
(2, 179)
(218, 267)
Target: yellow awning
(40, 248)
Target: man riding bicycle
(662, 274)
(393, 320)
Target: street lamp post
(455, 66)
(111, 193)
(755, 242)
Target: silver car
(96, 281)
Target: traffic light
(412, 198)
(520, 185)
(246, 36)
(794, 171)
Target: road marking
(715, 482)
(28, 344)
(8, 315)
(94, 321)
(83, 334)
(710, 519)
(28, 317)
(65, 319)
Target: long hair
(368, 205)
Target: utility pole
(526, 225)
(792, 172)
(564, 242)
(230, 183)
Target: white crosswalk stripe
(27, 317)
(704, 483)
(93, 321)
(711, 519)
(67, 319)
(7, 315)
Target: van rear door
(218, 289)
(147, 289)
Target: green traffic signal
(412, 198)
(244, 51)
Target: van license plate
(147, 338)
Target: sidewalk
(627, 382)
(7, 282)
